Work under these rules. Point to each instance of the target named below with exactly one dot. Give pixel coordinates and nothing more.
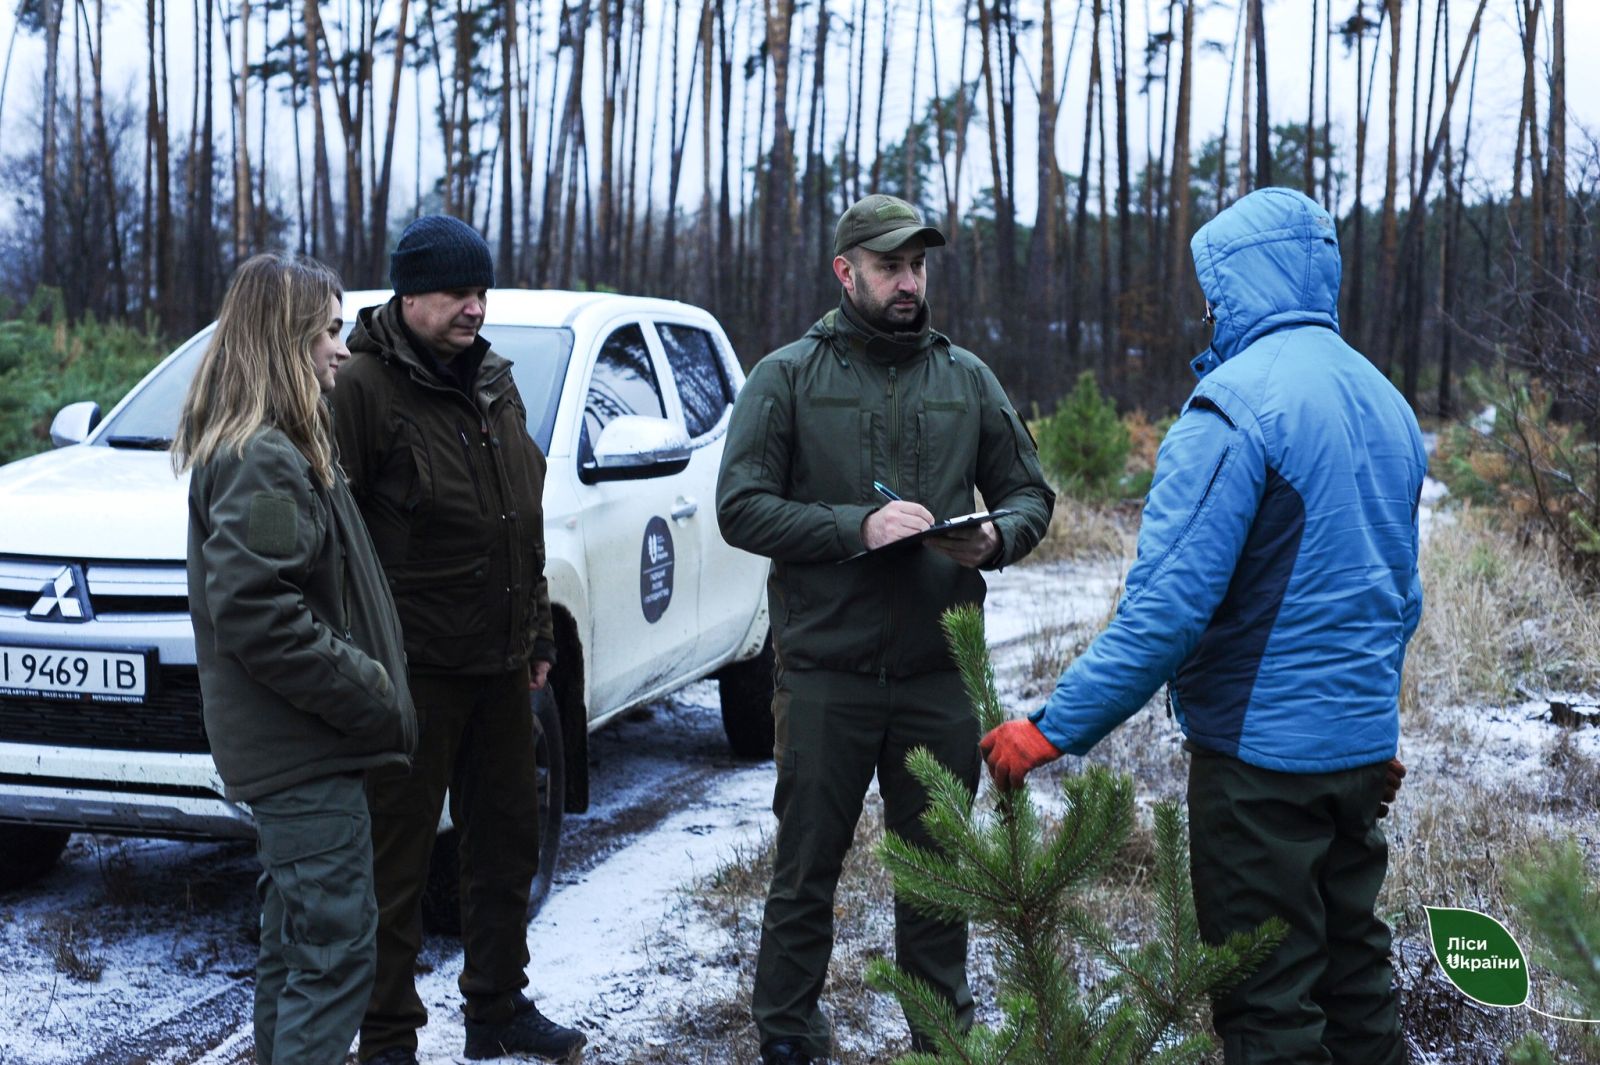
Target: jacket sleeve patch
(274, 525)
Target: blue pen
(884, 491)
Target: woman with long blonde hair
(302, 668)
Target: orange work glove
(1396, 772)
(1015, 749)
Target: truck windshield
(538, 356)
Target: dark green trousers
(1306, 848)
(834, 731)
(318, 919)
(476, 740)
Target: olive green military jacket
(451, 487)
(302, 670)
(816, 423)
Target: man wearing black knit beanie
(432, 434)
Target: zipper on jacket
(894, 434)
(466, 450)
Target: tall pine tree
(1021, 882)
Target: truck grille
(167, 721)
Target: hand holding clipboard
(937, 529)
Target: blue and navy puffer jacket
(1276, 583)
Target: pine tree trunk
(50, 17)
(883, 86)
(725, 264)
(1181, 268)
(165, 266)
(1124, 183)
(242, 184)
(711, 268)
(1308, 184)
(1409, 326)
(1042, 248)
(816, 183)
(1556, 171)
(1388, 229)
(611, 20)
(1446, 401)
(780, 173)
(1263, 119)
(1246, 176)
(107, 167)
(505, 257)
(325, 237)
(1357, 258)
(379, 235)
(986, 20)
(1077, 280)
(669, 240)
(1535, 225)
(205, 178)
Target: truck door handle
(684, 508)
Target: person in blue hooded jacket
(1274, 593)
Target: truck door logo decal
(655, 570)
(64, 598)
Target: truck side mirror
(73, 423)
(632, 447)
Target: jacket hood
(1270, 260)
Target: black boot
(528, 1032)
(393, 1056)
(783, 1052)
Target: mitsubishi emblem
(65, 598)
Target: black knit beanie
(438, 253)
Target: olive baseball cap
(882, 223)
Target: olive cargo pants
(475, 738)
(318, 919)
(1305, 847)
(834, 730)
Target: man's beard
(878, 315)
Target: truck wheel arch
(568, 681)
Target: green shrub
(1083, 445)
(1523, 460)
(46, 363)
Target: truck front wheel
(746, 691)
(30, 853)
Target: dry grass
(1084, 532)
(68, 945)
(1500, 620)
(1499, 617)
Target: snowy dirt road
(141, 951)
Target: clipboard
(965, 521)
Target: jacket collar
(849, 334)
(380, 331)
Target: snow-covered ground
(619, 949)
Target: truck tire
(441, 898)
(746, 692)
(30, 853)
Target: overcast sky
(1289, 28)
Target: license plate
(63, 673)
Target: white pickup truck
(100, 723)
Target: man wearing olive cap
(871, 395)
